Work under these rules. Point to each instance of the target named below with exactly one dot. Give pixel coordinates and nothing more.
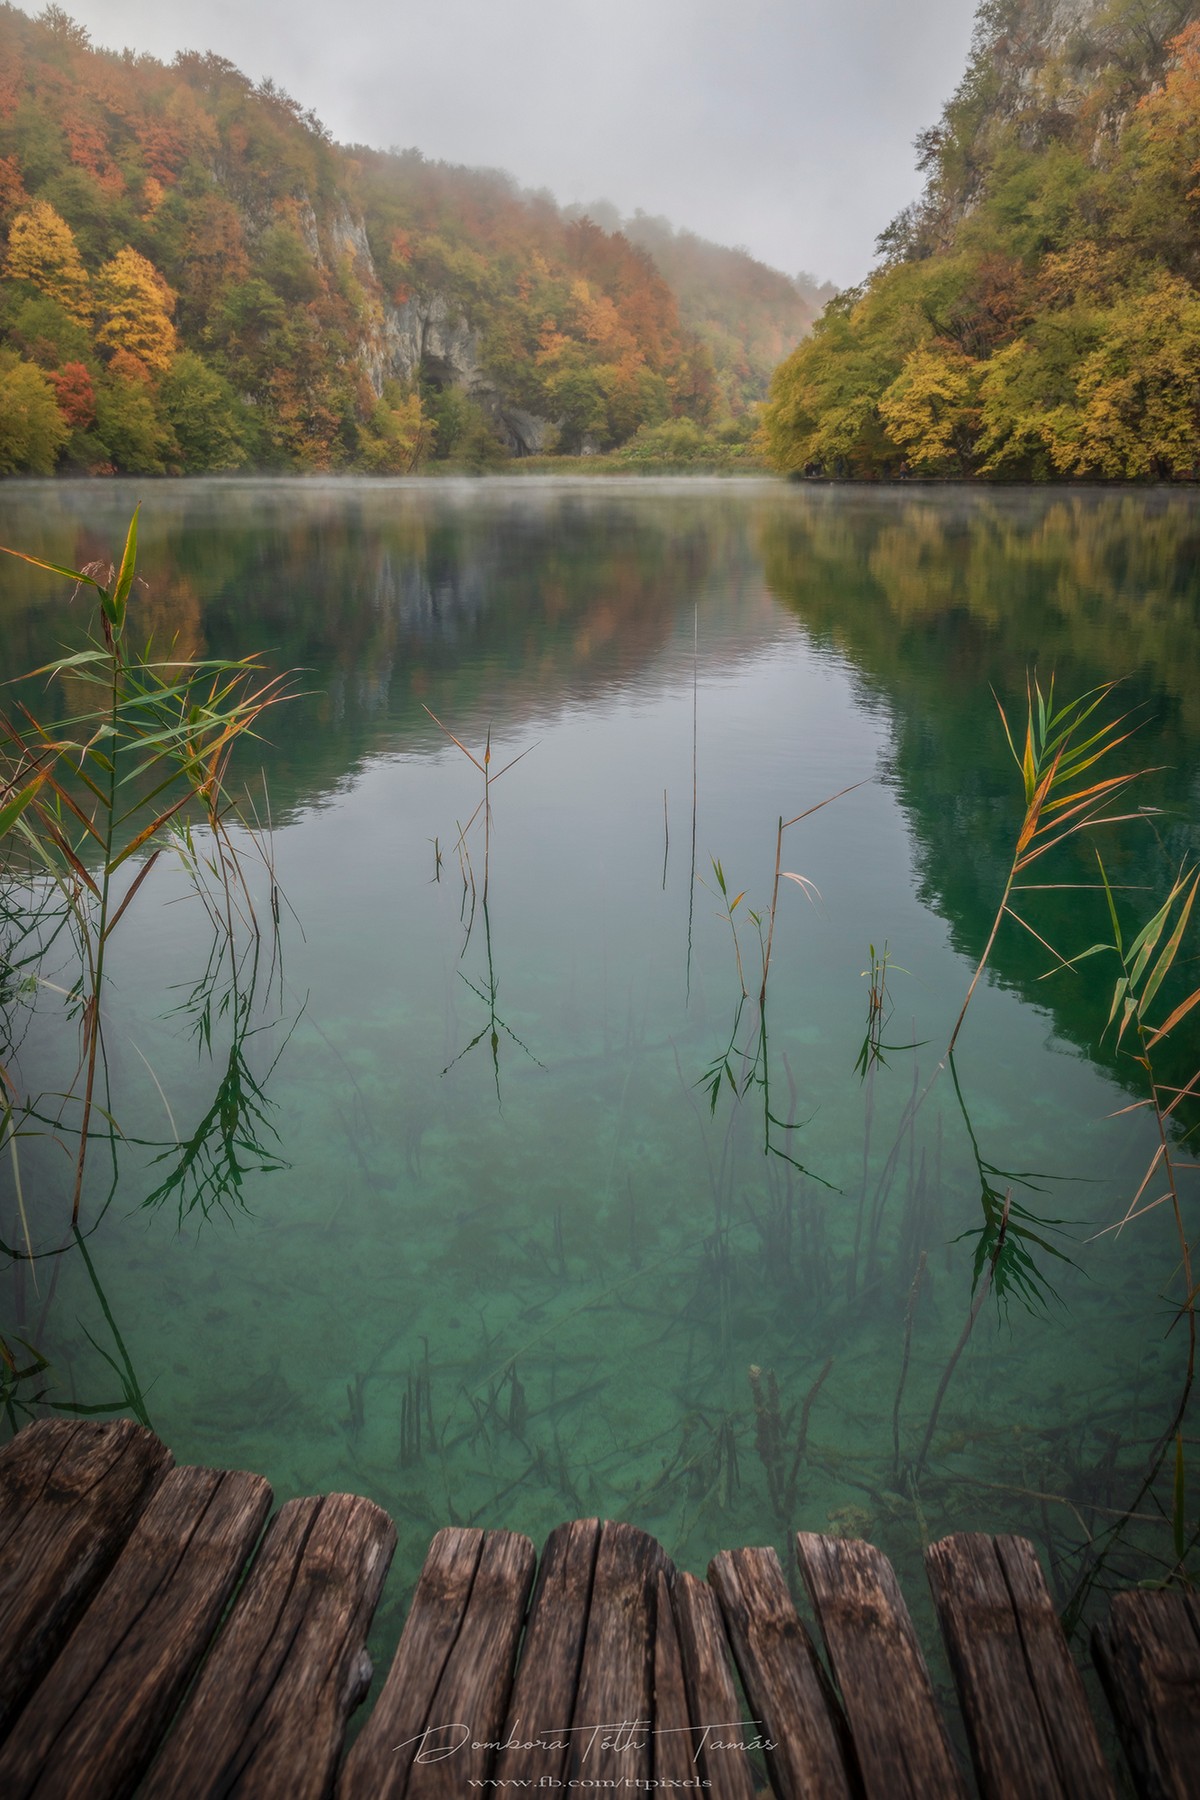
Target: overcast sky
(785, 126)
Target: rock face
(1038, 67)
(427, 339)
(1050, 54)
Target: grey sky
(782, 125)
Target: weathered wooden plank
(268, 1713)
(90, 1729)
(543, 1698)
(1026, 1714)
(70, 1493)
(614, 1706)
(672, 1748)
(444, 1700)
(900, 1740)
(804, 1744)
(1149, 1661)
(434, 1621)
(719, 1731)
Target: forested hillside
(196, 278)
(1037, 313)
(747, 314)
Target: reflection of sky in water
(596, 1229)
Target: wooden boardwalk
(154, 1638)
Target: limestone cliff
(1040, 71)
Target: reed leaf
(1052, 759)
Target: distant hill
(747, 314)
(1036, 314)
(196, 277)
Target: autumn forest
(1036, 314)
(197, 279)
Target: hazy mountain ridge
(197, 277)
(748, 314)
(1037, 311)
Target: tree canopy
(1037, 313)
(199, 279)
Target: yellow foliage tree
(42, 251)
(398, 435)
(931, 409)
(1137, 410)
(134, 306)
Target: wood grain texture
(90, 1729)
(672, 1746)
(788, 1697)
(267, 1715)
(71, 1491)
(614, 1705)
(900, 1741)
(445, 1696)
(1148, 1657)
(547, 1680)
(1026, 1713)
(716, 1708)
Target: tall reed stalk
(82, 801)
(1057, 806)
(1145, 964)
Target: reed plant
(1064, 796)
(1054, 757)
(750, 1065)
(1144, 963)
(87, 806)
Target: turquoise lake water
(492, 1256)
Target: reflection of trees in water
(502, 606)
(222, 1131)
(939, 602)
(1105, 583)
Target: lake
(483, 1190)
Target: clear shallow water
(549, 1249)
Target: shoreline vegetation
(1035, 314)
(195, 279)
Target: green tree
(44, 330)
(129, 427)
(204, 415)
(32, 429)
(823, 400)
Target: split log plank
(784, 1684)
(1149, 1663)
(471, 1678)
(434, 1622)
(547, 1680)
(716, 1708)
(614, 1705)
(267, 1715)
(70, 1494)
(672, 1749)
(900, 1740)
(91, 1728)
(1027, 1718)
